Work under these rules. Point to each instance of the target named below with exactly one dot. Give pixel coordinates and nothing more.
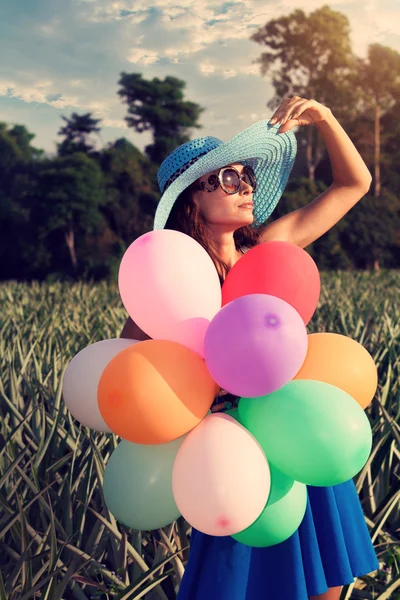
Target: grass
(57, 538)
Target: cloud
(172, 32)
(227, 73)
(76, 83)
(206, 23)
(197, 23)
(99, 11)
(208, 68)
(143, 56)
(68, 56)
(115, 123)
(50, 29)
(41, 92)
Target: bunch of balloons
(300, 418)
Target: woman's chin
(246, 220)
(233, 223)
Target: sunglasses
(229, 179)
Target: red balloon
(278, 269)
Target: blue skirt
(331, 547)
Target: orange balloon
(343, 362)
(155, 392)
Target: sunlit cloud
(67, 57)
(115, 123)
(142, 56)
(41, 93)
(207, 69)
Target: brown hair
(186, 217)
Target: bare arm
(133, 332)
(351, 178)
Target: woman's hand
(351, 178)
(296, 111)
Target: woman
(216, 193)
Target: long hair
(186, 217)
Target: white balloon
(82, 377)
(221, 477)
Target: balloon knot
(272, 320)
(223, 522)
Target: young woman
(221, 194)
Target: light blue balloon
(138, 484)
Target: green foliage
(71, 190)
(75, 215)
(159, 106)
(366, 237)
(128, 185)
(66, 198)
(372, 228)
(76, 133)
(309, 56)
(377, 80)
(18, 139)
(379, 76)
(391, 149)
(57, 538)
(18, 160)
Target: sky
(65, 56)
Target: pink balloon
(221, 478)
(170, 287)
(255, 345)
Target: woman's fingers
(285, 111)
(299, 110)
(289, 125)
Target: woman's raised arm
(351, 178)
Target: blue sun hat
(269, 153)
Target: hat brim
(271, 154)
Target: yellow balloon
(343, 362)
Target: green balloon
(233, 412)
(281, 516)
(138, 484)
(313, 431)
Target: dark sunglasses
(229, 179)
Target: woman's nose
(245, 188)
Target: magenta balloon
(255, 345)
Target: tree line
(75, 213)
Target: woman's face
(229, 211)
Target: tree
(67, 197)
(310, 56)
(159, 106)
(390, 151)
(77, 132)
(18, 159)
(378, 78)
(128, 190)
(372, 231)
